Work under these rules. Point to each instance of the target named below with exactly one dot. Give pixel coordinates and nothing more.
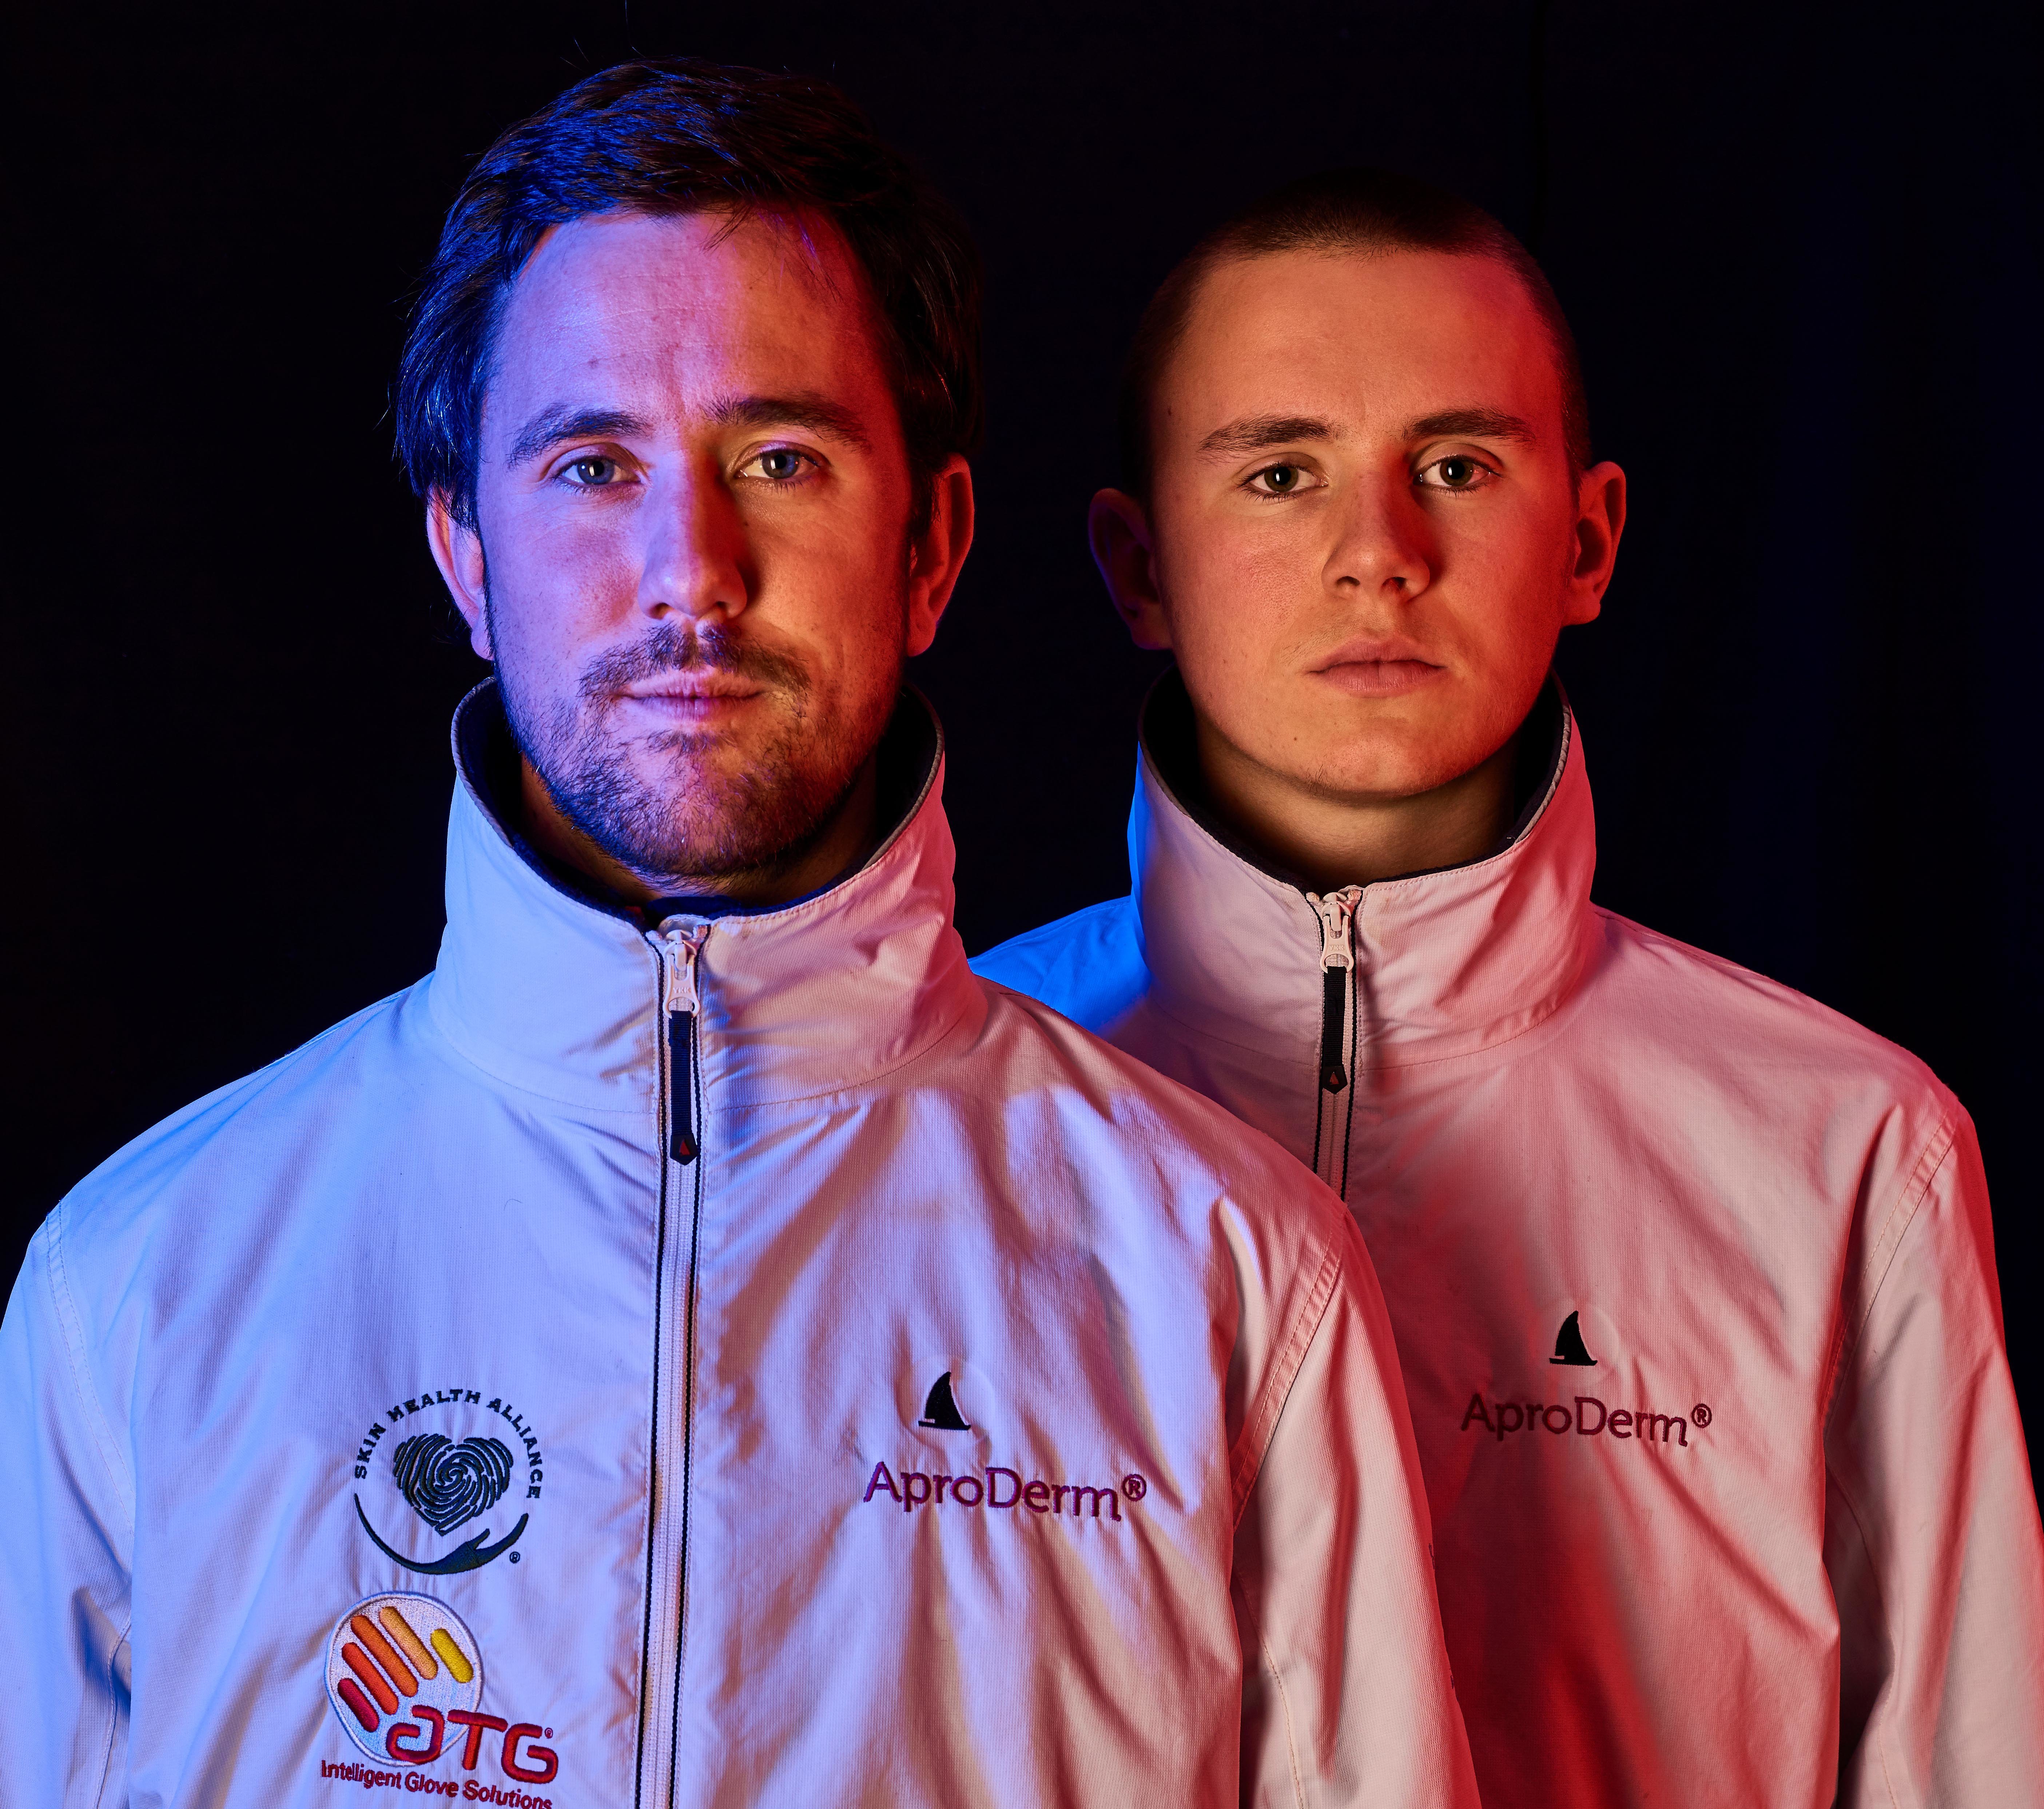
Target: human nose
(1385, 547)
(696, 561)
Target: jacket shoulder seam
(1284, 1708)
(114, 1714)
(1262, 1420)
(1887, 1770)
(72, 1327)
(1874, 1733)
(1879, 1259)
(1722, 967)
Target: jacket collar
(1449, 962)
(543, 984)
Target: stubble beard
(689, 805)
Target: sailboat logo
(1569, 1345)
(940, 1411)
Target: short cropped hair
(1339, 211)
(679, 136)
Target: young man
(701, 1345)
(1692, 1281)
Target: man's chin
(709, 816)
(676, 768)
(1384, 765)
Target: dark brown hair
(680, 135)
(1339, 211)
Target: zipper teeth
(675, 1058)
(688, 1467)
(1348, 1115)
(656, 1497)
(690, 1102)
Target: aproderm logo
(1000, 1488)
(1588, 1417)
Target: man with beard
(701, 1344)
(1692, 1281)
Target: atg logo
(405, 1675)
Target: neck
(844, 838)
(1332, 839)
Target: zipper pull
(1337, 914)
(682, 1004)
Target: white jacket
(1694, 1290)
(944, 1430)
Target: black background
(1801, 257)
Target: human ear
(1124, 548)
(1599, 521)
(938, 553)
(458, 551)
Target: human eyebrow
(1254, 433)
(804, 409)
(1472, 424)
(552, 425)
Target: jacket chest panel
(860, 1388)
(1544, 1277)
(1614, 1363)
(437, 1578)
(424, 1409)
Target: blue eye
(780, 464)
(594, 472)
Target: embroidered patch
(1569, 1345)
(940, 1412)
(404, 1675)
(1622, 1410)
(390, 1657)
(448, 1483)
(914, 1489)
(442, 1460)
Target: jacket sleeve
(63, 1563)
(1346, 1696)
(1931, 1533)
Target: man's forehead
(690, 307)
(1358, 335)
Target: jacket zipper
(681, 1181)
(1336, 1092)
(682, 1005)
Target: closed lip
(1392, 651)
(694, 692)
(1381, 669)
(697, 684)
